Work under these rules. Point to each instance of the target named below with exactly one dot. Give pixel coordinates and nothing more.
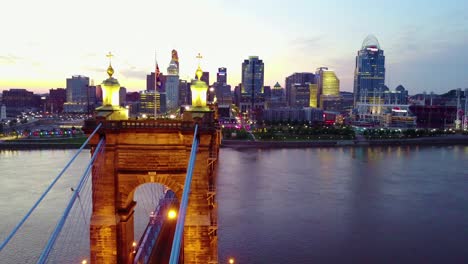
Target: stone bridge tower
(153, 151)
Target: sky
(44, 42)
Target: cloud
(133, 73)
(312, 42)
(9, 59)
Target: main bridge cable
(61, 223)
(17, 227)
(175, 251)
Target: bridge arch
(127, 191)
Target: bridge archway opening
(147, 197)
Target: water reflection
(371, 205)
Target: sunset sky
(45, 42)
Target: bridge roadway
(162, 249)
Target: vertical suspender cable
(61, 223)
(17, 227)
(176, 243)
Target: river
(316, 205)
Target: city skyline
(44, 48)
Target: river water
(317, 205)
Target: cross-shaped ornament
(110, 55)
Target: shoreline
(425, 141)
(246, 144)
(39, 146)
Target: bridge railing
(151, 233)
(148, 124)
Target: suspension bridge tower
(153, 151)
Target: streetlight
(84, 261)
(231, 260)
(134, 244)
(172, 214)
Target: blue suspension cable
(61, 223)
(17, 227)
(175, 251)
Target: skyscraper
(369, 75)
(300, 95)
(150, 82)
(172, 86)
(221, 76)
(313, 89)
(57, 97)
(252, 93)
(276, 99)
(175, 57)
(3, 112)
(328, 89)
(77, 89)
(300, 78)
(184, 93)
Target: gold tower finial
(110, 70)
(199, 71)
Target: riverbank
(428, 141)
(57, 143)
(30, 146)
(241, 144)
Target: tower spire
(199, 71)
(110, 70)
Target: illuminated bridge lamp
(199, 89)
(111, 108)
(84, 261)
(111, 86)
(134, 244)
(231, 260)
(172, 214)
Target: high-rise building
(175, 57)
(328, 89)
(99, 94)
(172, 86)
(252, 90)
(221, 76)
(223, 93)
(276, 99)
(148, 101)
(123, 96)
(57, 97)
(77, 89)
(300, 95)
(184, 93)
(236, 96)
(3, 114)
(300, 78)
(20, 100)
(314, 96)
(369, 75)
(150, 82)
